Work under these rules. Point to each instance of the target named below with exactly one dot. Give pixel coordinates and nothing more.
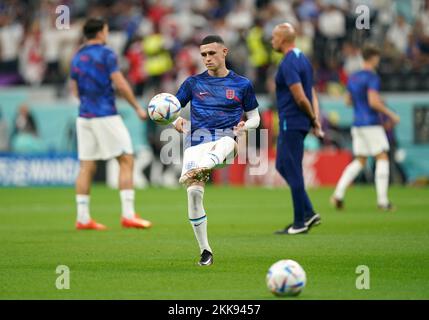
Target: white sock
(197, 216)
(223, 147)
(82, 202)
(382, 181)
(349, 174)
(127, 202)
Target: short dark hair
(212, 38)
(92, 27)
(370, 50)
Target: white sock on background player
(223, 147)
(82, 202)
(127, 203)
(348, 176)
(197, 216)
(382, 181)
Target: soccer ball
(164, 108)
(286, 278)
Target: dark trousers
(290, 151)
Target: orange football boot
(135, 222)
(91, 225)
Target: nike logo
(196, 225)
(203, 93)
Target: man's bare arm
(302, 100)
(316, 107)
(305, 105)
(74, 88)
(348, 99)
(124, 88)
(377, 104)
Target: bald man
(298, 111)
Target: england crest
(230, 94)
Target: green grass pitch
(37, 234)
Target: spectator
(304, 41)
(398, 34)
(332, 23)
(24, 121)
(11, 33)
(323, 26)
(25, 138)
(258, 55)
(136, 60)
(32, 64)
(158, 61)
(422, 37)
(352, 58)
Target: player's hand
(395, 118)
(317, 129)
(239, 128)
(180, 125)
(142, 114)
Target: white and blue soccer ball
(286, 278)
(164, 108)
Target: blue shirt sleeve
(249, 98)
(111, 62)
(289, 70)
(184, 94)
(374, 83)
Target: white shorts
(193, 155)
(102, 138)
(369, 141)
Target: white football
(286, 278)
(164, 108)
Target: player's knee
(126, 161)
(88, 167)
(382, 156)
(362, 161)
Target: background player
(298, 112)
(101, 133)
(368, 134)
(218, 97)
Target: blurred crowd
(157, 41)
(157, 45)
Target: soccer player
(218, 98)
(101, 133)
(298, 110)
(368, 134)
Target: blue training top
(91, 67)
(294, 68)
(217, 104)
(358, 85)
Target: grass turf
(37, 234)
